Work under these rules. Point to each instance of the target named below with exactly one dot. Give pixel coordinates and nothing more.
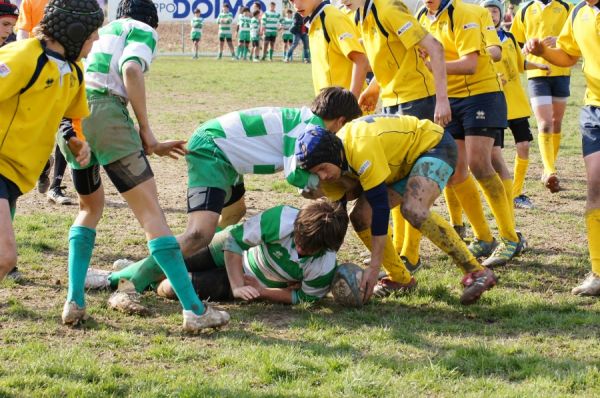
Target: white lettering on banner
(183, 10)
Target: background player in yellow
(544, 19)
(337, 57)
(40, 82)
(579, 38)
(478, 117)
(512, 65)
(391, 37)
(398, 161)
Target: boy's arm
(359, 71)
(556, 56)
(437, 62)
(72, 133)
(235, 273)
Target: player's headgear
(494, 3)
(8, 10)
(315, 145)
(140, 10)
(71, 22)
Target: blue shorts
(10, 192)
(479, 115)
(423, 108)
(437, 164)
(551, 86)
(589, 124)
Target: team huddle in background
(448, 81)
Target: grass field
(526, 338)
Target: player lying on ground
(397, 161)
(283, 255)
(40, 82)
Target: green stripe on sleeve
(141, 36)
(114, 28)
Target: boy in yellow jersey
(579, 38)
(478, 117)
(516, 100)
(544, 19)
(40, 82)
(392, 38)
(397, 161)
(337, 56)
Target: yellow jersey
(29, 119)
(579, 38)
(537, 20)
(510, 67)
(383, 149)
(390, 36)
(458, 28)
(332, 37)
(488, 30)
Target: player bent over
(579, 38)
(252, 141)
(40, 82)
(114, 74)
(398, 161)
(282, 255)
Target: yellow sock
(398, 225)
(438, 231)
(469, 198)
(520, 171)
(592, 220)
(412, 243)
(395, 268)
(547, 152)
(493, 190)
(508, 189)
(454, 207)
(556, 144)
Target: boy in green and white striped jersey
(255, 36)
(225, 20)
(270, 24)
(283, 254)
(243, 33)
(288, 36)
(252, 141)
(196, 32)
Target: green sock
(13, 210)
(167, 254)
(271, 54)
(142, 274)
(81, 245)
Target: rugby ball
(345, 287)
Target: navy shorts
(479, 115)
(589, 124)
(551, 86)
(423, 108)
(10, 192)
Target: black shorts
(423, 108)
(246, 42)
(589, 124)
(208, 279)
(270, 39)
(223, 39)
(255, 43)
(520, 129)
(10, 192)
(213, 199)
(479, 115)
(125, 174)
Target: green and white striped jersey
(244, 23)
(270, 21)
(267, 241)
(120, 41)
(262, 141)
(225, 20)
(254, 27)
(286, 25)
(197, 24)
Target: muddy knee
(415, 215)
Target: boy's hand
(170, 148)
(534, 47)
(368, 100)
(544, 67)
(247, 293)
(549, 41)
(368, 282)
(81, 150)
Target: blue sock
(167, 254)
(81, 245)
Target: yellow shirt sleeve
(16, 68)
(489, 31)
(467, 33)
(343, 33)
(401, 23)
(367, 158)
(566, 40)
(517, 28)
